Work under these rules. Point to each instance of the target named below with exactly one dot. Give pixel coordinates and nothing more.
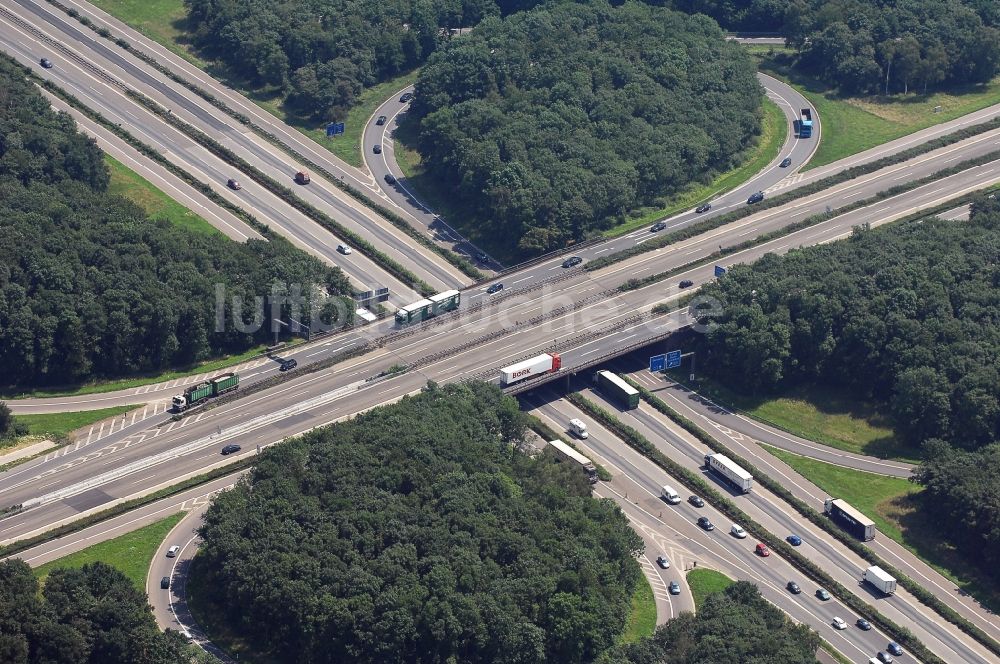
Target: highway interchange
(544, 307)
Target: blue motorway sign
(719, 270)
(673, 359)
(335, 129)
(657, 363)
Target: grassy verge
(138, 381)
(821, 414)
(129, 184)
(854, 124)
(130, 553)
(642, 620)
(774, 128)
(164, 21)
(894, 505)
(704, 582)
(57, 425)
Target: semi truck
(729, 471)
(213, 387)
(805, 123)
(880, 579)
(566, 452)
(536, 366)
(429, 307)
(617, 389)
(851, 520)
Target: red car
(762, 550)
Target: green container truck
(209, 388)
(617, 389)
(428, 308)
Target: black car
(686, 283)
(703, 208)
(696, 501)
(755, 198)
(658, 226)
(229, 449)
(482, 258)
(45, 62)
(287, 365)
(377, 149)
(571, 261)
(495, 288)
(786, 162)
(381, 120)
(165, 582)
(705, 523)
(390, 178)
(407, 96)
(793, 588)
(884, 657)
(863, 624)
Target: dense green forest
(91, 287)
(907, 315)
(416, 533)
(554, 122)
(736, 625)
(92, 615)
(323, 53)
(873, 46)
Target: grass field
(774, 129)
(161, 20)
(894, 505)
(821, 414)
(854, 124)
(704, 582)
(57, 425)
(138, 381)
(126, 182)
(642, 620)
(131, 553)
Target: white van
(669, 495)
(578, 428)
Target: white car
(172, 551)
(344, 249)
(738, 532)
(663, 562)
(839, 623)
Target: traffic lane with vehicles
(184, 535)
(403, 383)
(636, 490)
(247, 144)
(779, 519)
(301, 143)
(189, 499)
(721, 417)
(577, 284)
(886, 548)
(199, 162)
(397, 190)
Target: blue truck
(805, 123)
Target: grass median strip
(698, 485)
(642, 619)
(815, 187)
(704, 582)
(130, 553)
(365, 107)
(926, 597)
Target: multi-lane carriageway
(143, 456)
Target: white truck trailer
(881, 579)
(544, 363)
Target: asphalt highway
(787, 99)
(836, 559)
(280, 165)
(129, 463)
(674, 529)
(86, 79)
